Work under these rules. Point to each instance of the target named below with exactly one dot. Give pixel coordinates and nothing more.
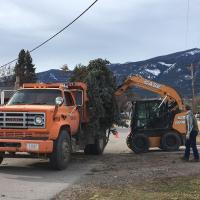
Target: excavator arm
(165, 91)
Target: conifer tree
(103, 110)
(20, 66)
(29, 73)
(79, 73)
(24, 68)
(65, 68)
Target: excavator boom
(163, 90)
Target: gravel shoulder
(120, 171)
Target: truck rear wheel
(170, 141)
(62, 151)
(88, 149)
(140, 143)
(97, 148)
(1, 159)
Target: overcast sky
(120, 31)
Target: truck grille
(20, 120)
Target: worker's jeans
(191, 142)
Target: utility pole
(17, 83)
(193, 87)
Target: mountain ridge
(171, 69)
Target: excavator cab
(152, 125)
(155, 123)
(150, 114)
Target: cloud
(118, 30)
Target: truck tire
(62, 151)
(1, 159)
(170, 141)
(140, 143)
(97, 148)
(88, 149)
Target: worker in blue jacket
(192, 132)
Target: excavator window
(148, 115)
(141, 115)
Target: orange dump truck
(48, 120)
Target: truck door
(72, 112)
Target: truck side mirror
(59, 101)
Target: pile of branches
(103, 110)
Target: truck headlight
(39, 120)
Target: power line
(56, 34)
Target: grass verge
(166, 189)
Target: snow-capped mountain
(53, 76)
(172, 69)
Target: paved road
(31, 179)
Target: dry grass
(151, 176)
(166, 189)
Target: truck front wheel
(60, 157)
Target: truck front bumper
(29, 146)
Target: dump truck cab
(38, 106)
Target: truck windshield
(35, 97)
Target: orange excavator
(155, 122)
